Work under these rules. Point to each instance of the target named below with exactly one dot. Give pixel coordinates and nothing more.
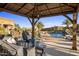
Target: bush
(3, 31)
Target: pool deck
(59, 46)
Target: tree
(2, 30)
(55, 28)
(17, 26)
(39, 25)
(67, 23)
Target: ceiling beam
(13, 12)
(30, 20)
(37, 20)
(56, 14)
(21, 7)
(42, 10)
(40, 4)
(4, 5)
(48, 8)
(69, 6)
(29, 11)
(51, 8)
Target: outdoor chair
(40, 49)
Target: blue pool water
(57, 34)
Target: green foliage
(3, 31)
(1, 28)
(58, 28)
(17, 27)
(67, 22)
(40, 25)
(55, 28)
(64, 28)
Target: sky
(47, 21)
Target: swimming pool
(57, 34)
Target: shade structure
(35, 10)
(39, 10)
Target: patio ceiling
(33, 10)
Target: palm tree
(67, 23)
(39, 25)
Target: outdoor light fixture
(38, 15)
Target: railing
(10, 46)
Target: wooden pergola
(35, 11)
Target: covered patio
(35, 11)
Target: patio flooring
(62, 48)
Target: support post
(33, 31)
(33, 27)
(74, 43)
(31, 52)
(74, 22)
